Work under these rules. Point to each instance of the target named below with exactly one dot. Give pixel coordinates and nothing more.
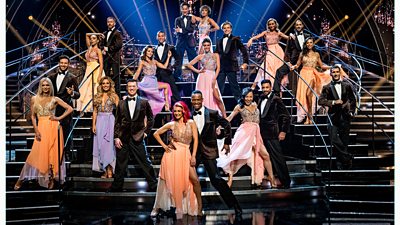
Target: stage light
(346, 17)
(288, 15)
(93, 16)
(89, 13)
(30, 17)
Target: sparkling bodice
(272, 38)
(204, 28)
(310, 60)
(182, 135)
(91, 55)
(208, 62)
(248, 116)
(108, 106)
(48, 109)
(149, 69)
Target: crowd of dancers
(256, 142)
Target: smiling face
(298, 26)
(149, 53)
(197, 101)
(93, 40)
(178, 112)
(184, 10)
(248, 99)
(110, 23)
(271, 25)
(310, 44)
(132, 88)
(45, 87)
(266, 88)
(161, 37)
(335, 73)
(106, 85)
(206, 46)
(204, 12)
(63, 64)
(227, 29)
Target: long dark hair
(186, 112)
(143, 55)
(305, 49)
(245, 92)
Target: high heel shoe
(109, 172)
(18, 185)
(273, 182)
(154, 213)
(104, 175)
(51, 184)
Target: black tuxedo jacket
(126, 127)
(228, 57)
(293, 48)
(207, 146)
(114, 45)
(69, 81)
(187, 31)
(274, 119)
(338, 112)
(164, 58)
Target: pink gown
(271, 62)
(174, 183)
(204, 82)
(246, 138)
(204, 30)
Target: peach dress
(174, 187)
(42, 161)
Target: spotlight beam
(78, 14)
(116, 17)
(168, 23)
(262, 18)
(142, 21)
(161, 17)
(298, 15)
(84, 16)
(18, 36)
(240, 14)
(219, 17)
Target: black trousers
(167, 77)
(278, 160)
(340, 137)
(233, 83)
(111, 64)
(282, 71)
(219, 183)
(138, 150)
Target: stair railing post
(10, 131)
(373, 125)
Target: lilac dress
(103, 140)
(149, 89)
(204, 30)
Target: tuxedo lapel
(165, 52)
(206, 120)
(111, 37)
(127, 111)
(137, 108)
(267, 106)
(228, 44)
(344, 93)
(334, 93)
(296, 42)
(63, 84)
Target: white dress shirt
(185, 21)
(59, 80)
(109, 33)
(132, 105)
(264, 102)
(160, 50)
(199, 120)
(224, 41)
(300, 38)
(338, 88)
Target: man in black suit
(207, 121)
(293, 49)
(129, 132)
(111, 46)
(185, 41)
(274, 124)
(166, 75)
(340, 99)
(66, 88)
(228, 48)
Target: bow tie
(336, 82)
(109, 30)
(161, 44)
(183, 17)
(226, 35)
(130, 99)
(62, 73)
(195, 113)
(299, 33)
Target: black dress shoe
(238, 213)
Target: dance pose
(205, 26)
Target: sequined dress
(204, 31)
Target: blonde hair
(98, 98)
(276, 24)
(40, 90)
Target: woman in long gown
(158, 93)
(207, 79)
(94, 71)
(310, 59)
(271, 63)
(105, 100)
(205, 26)
(247, 144)
(179, 185)
(43, 160)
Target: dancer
(207, 121)
(340, 99)
(274, 57)
(309, 59)
(103, 128)
(166, 75)
(228, 48)
(111, 47)
(65, 87)
(43, 160)
(185, 41)
(207, 79)
(247, 144)
(158, 93)
(293, 49)
(205, 26)
(179, 185)
(133, 122)
(274, 124)
(94, 72)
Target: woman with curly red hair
(178, 185)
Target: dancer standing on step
(133, 122)
(207, 121)
(206, 25)
(43, 160)
(207, 79)
(340, 99)
(178, 184)
(247, 144)
(274, 124)
(103, 128)
(228, 48)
